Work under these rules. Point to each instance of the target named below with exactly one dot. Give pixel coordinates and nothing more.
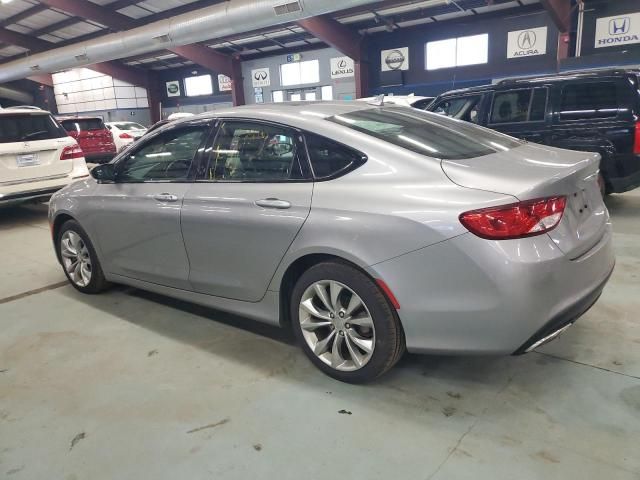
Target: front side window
(425, 133)
(329, 158)
(519, 106)
(462, 108)
(167, 157)
(589, 100)
(250, 151)
(24, 127)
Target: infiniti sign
(617, 30)
(260, 77)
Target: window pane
(511, 106)
(441, 54)
(296, 97)
(589, 100)
(538, 105)
(472, 50)
(85, 124)
(200, 85)
(278, 96)
(328, 157)
(327, 92)
(290, 74)
(450, 107)
(310, 95)
(23, 127)
(426, 133)
(310, 71)
(166, 157)
(247, 151)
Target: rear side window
(425, 133)
(29, 127)
(462, 108)
(589, 100)
(330, 159)
(517, 106)
(85, 124)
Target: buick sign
(342, 67)
(395, 59)
(527, 43)
(617, 30)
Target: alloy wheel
(336, 325)
(75, 258)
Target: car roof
(541, 79)
(80, 117)
(285, 112)
(29, 110)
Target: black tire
(389, 336)
(98, 282)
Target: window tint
(463, 108)
(422, 104)
(29, 127)
(329, 158)
(589, 100)
(166, 157)
(250, 151)
(510, 107)
(426, 133)
(79, 125)
(538, 105)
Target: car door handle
(166, 197)
(273, 203)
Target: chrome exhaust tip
(548, 338)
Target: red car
(93, 136)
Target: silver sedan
(366, 229)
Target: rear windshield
(427, 133)
(83, 124)
(128, 126)
(25, 127)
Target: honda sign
(618, 30)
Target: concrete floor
(129, 385)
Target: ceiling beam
(560, 13)
(21, 40)
(334, 33)
(18, 17)
(106, 16)
(43, 78)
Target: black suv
(596, 111)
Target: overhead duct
(217, 21)
(8, 93)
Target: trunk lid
(28, 161)
(533, 171)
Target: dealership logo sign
(260, 77)
(173, 89)
(395, 59)
(342, 67)
(224, 83)
(613, 31)
(527, 43)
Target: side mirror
(105, 173)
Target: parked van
(595, 111)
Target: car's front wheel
(79, 259)
(344, 323)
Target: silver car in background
(366, 229)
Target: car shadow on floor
(29, 213)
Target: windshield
(427, 133)
(84, 124)
(24, 127)
(128, 126)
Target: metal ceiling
(33, 18)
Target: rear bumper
(99, 157)
(473, 296)
(624, 184)
(19, 197)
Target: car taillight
(517, 220)
(125, 135)
(636, 140)
(71, 152)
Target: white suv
(37, 157)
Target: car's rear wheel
(79, 260)
(344, 323)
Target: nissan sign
(342, 67)
(173, 89)
(618, 30)
(527, 43)
(395, 59)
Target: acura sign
(527, 43)
(617, 30)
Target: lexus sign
(342, 67)
(527, 43)
(617, 30)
